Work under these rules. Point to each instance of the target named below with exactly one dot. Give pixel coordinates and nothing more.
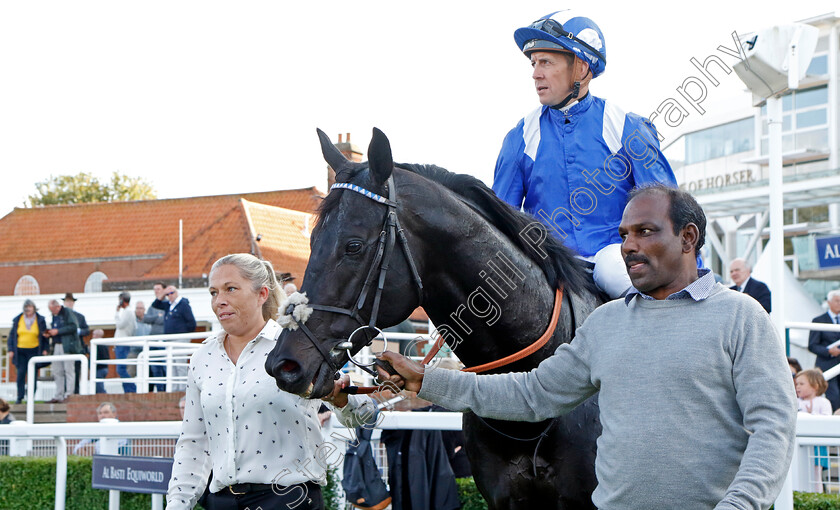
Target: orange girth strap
(507, 360)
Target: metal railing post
(60, 472)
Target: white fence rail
(111, 436)
(31, 373)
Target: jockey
(572, 161)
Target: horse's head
(355, 246)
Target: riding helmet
(565, 31)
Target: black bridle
(391, 233)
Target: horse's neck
(481, 291)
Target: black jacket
(419, 471)
(758, 290)
(362, 483)
(818, 342)
(43, 342)
(68, 332)
(179, 319)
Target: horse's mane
(561, 265)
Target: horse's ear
(379, 157)
(332, 155)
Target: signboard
(828, 252)
(149, 475)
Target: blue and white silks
(574, 169)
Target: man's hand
(410, 372)
(337, 398)
(52, 332)
(834, 351)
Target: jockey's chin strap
(391, 233)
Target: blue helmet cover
(531, 39)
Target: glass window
(819, 65)
(811, 118)
(811, 97)
(720, 141)
(94, 281)
(787, 103)
(814, 140)
(27, 285)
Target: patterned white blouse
(237, 422)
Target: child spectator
(810, 387)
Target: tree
(86, 188)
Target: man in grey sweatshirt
(697, 404)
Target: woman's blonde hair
(260, 273)
(815, 379)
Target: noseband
(391, 233)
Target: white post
(169, 368)
(60, 471)
(143, 366)
(157, 501)
(776, 244)
(180, 253)
(92, 372)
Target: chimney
(350, 151)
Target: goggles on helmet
(555, 28)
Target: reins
(507, 360)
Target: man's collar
(698, 290)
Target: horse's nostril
(289, 366)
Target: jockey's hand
(410, 372)
(337, 398)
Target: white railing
(811, 431)
(169, 351)
(31, 373)
(21, 436)
(818, 326)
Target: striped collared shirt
(697, 290)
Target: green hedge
(813, 501)
(28, 483)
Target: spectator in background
(124, 319)
(84, 330)
(178, 319)
(810, 387)
(64, 333)
(819, 342)
(105, 413)
(141, 328)
(741, 274)
(794, 365)
(6, 415)
(101, 353)
(155, 317)
(181, 405)
(26, 340)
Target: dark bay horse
(485, 274)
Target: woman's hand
(337, 398)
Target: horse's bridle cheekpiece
(390, 234)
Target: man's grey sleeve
(555, 387)
(766, 396)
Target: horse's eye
(353, 247)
